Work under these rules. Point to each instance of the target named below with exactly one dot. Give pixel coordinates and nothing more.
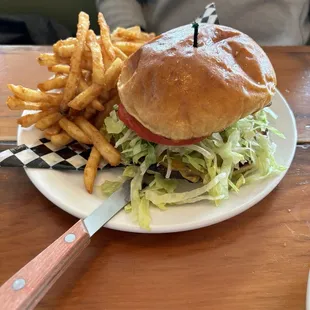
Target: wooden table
(257, 260)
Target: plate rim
(180, 226)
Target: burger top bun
(181, 92)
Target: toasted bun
(181, 92)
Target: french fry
(64, 69)
(98, 67)
(68, 41)
(93, 91)
(120, 54)
(52, 130)
(128, 47)
(87, 77)
(28, 94)
(48, 105)
(107, 151)
(89, 112)
(141, 35)
(134, 29)
(49, 59)
(65, 50)
(83, 84)
(61, 139)
(48, 120)
(75, 70)
(99, 119)
(96, 104)
(112, 74)
(74, 131)
(88, 54)
(108, 107)
(147, 36)
(82, 100)
(90, 170)
(73, 113)
(30, 119)
(129, 34)
(16, 104)
(107, 46)
(55, 83)
(47, 135)
(55, 98)
(87, 64)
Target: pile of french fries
(74, 103)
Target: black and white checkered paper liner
(45, 155)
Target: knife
(27, 287)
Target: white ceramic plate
(66, 189)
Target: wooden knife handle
(27, 287)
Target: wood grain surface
(292, 66)
(256, 260)
(40, 274)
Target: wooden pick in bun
(172, 90)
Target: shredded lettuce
(109, 187)
(130, 171)
(115, 125)
(149, 160)
(164, 185)
(144, 217)
(227, 160)
(171, 198)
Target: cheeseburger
(172, 93)
(196, 113)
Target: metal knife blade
(108, 209)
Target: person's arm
(121, 13)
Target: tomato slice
(146, 134)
